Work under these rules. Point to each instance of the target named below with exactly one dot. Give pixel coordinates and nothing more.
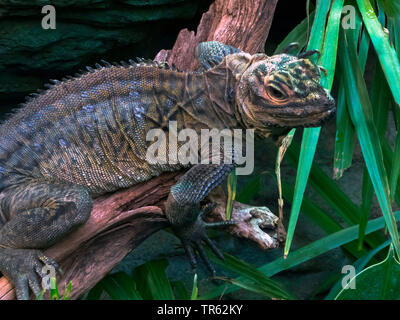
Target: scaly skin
(86, 136)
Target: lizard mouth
(322, 119)
(314, 118)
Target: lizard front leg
(184, 212)
(37, 214)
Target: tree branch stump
(121, 221)
(243, 24)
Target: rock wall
(86, 31)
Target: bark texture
(243, 24)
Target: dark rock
(86, 31)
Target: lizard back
(91, 130)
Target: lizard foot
(23, 267)
(194, 236)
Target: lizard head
(280, 91)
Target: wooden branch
(121, 221)
(243, 24)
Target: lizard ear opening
(238, 63)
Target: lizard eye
(275, 94)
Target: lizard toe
(21, 287)
(193, 241)
(24, 281)
(220, 224)
(49, 261)
(213, 247)
(23, 266)
(33, 282)
(190, 254)
(204, 257)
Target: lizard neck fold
(220, 89)
(210, 98)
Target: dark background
(90, 30)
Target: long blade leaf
(311, 135)
(361, 115)
(308, 252)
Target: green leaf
(358, 265)
(388, 159)
(41, 295)
(344, 142)
(378, 282)
(394, 27)
(152, 281)
(179, 290)
(386, 53)
(298, 34)
(232, 183)
(380, 99)
(311, 135)
(95, 292)
(120, 286)
(394, 176)
(54, 295)
(333, 195)
(308, 252)
(308, 146)
(252, 287)
(67, 291)
(320, 218)
(391, 7)
(195, 290)
(318, 29)
(367, 192)
(321, 246)
(360, 110)
(330, 43)
(251, 279)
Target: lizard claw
(48, 261)
(207, 209)
(204, 257)
(194, 244)
(23, 267)
(194, 237)
(213, 247)
(190, 254)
